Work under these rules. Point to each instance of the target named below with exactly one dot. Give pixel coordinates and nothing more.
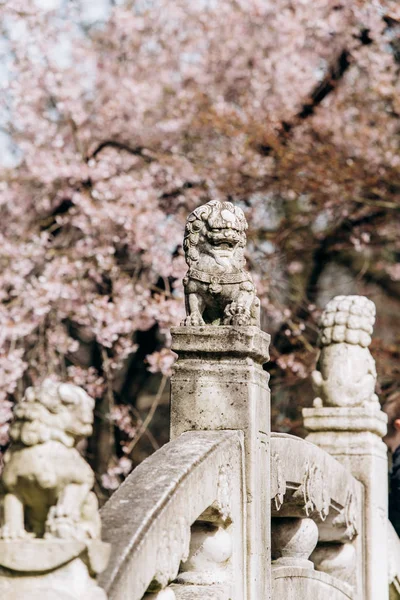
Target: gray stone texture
(219, 383)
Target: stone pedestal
(51, 569)
(219, 383)
(353, 435)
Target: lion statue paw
(65, 527)
(193, 320)
(7, 532)
(237, 314)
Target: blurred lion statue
(46, 481)
(218, 289)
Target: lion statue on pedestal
(46, 481)
(218, 289)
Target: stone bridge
(228, 510)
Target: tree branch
(136, 150)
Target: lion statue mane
(218, 289)
(46, 481)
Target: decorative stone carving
(218, 289)
(346, 373)
(348, 517)
(51, 518)
(278, 482)
(293, 541)
(313, 492)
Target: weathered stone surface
(293, 541)
(316, 485)
(196, 474)
(42, 466)
(50, 546)
(71, 581)
(346, 373)
(219, 383)
(38, 555)
(338, 560)
(350, 428)
(213, 343)
(166, 594)
(218, 289)
(209, 554)
(292, 583)
(200, 592)
(353, 436)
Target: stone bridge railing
(226, 510)
(185, 525)
(201, 508)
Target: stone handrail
(316, 507)
(307, 481)
(148, 520)
(225, 511)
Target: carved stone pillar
(347, 422)
(219, 383)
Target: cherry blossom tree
(113, 132)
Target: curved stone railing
(194, 520)
(306, 481)
(316, 520)
(179, 513)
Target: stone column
(219, 383)
(347, 422)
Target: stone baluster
(218, 381)
(293, 541)
(347, 422)
(50, 545)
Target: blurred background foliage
(118, 119)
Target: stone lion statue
(346, 372)
(46, 481)
(218, 289)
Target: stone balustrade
(226, 510)
(178, 517)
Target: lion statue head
(53, 411)
(215, 234)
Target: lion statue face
(215, 234)
(53, 411)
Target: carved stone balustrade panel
(308, 482)
(149, 519)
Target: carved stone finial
(346, 373)
(218, 289)
(51, 516)
(348, 319)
